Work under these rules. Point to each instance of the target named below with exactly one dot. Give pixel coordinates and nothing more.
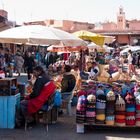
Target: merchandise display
(116, 104)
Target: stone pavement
(65, 129)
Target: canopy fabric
(132, 48)
(105, 48)
(39, 35)
(109, 39)
(96, 38)
(58, 48)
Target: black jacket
(68, 82)
(29, 62)
(38, 85)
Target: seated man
(94, 72)
(68, 82)
(42, 89)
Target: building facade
(125, 31)
(66, 25)
(6, 24)
(121, 21)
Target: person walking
(138, 60)
(19, 61)
(131, 63)
(49, 59)
(29, 63)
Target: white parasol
(39, 35)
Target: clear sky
(79, 10)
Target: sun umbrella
(109, 39)
(39, 35)
(134, 49)
(92, 46)
(96, 38)
(65, 49)
(105, 48)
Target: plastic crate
(8, 106)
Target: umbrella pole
(23, 49)
(81, 60)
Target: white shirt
(94, 72)
(130, 59)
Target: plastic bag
(57, 99)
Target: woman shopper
(19, 62)
(131, 63)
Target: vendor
(42, 89)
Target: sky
(77, 10)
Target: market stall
(111, 105)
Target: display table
(114, 106)
(80, 128)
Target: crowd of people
(84, 64)
(71, 68)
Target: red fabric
(130, 113)
(137, 119)
(130, 122)
(80, 93)
(1, 71)
(120, 120)
(137, 107)
(66, 56)
(36, 103)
